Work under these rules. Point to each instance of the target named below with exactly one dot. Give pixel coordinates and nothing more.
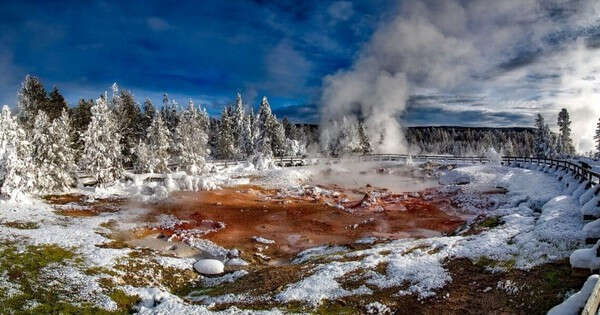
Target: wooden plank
(591, 306)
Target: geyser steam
(452, 47)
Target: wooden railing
(580, 171)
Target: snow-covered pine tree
(565, 143)
(52, 154)
(148, 114)
(542, 137)
(169, 111)
(62, 157)
(237, 128)
(102, 153)
(159, 144)
(191, 140)
(249, 135)
(225, 140)
(130, 120)
(30, 99)
(271, 128)
(16, 170)
(41, 151)
(365, 143)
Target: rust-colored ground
(297, 223)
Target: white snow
(209, 266)
(577, 301)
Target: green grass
(24, 268)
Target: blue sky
(206, 50)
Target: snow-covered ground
(539, 222)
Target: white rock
(209, 266)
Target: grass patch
(491, 222)
(140, 270)
(21, 225)
(24, 267)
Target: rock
(209, 266)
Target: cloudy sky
(424, 62)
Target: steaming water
(396, 178)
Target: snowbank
(577, 301)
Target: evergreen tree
(52, 155)
(249, 135)
(159, 144)
(62, 157)
(41, 148)
(148, 114)
(542, 137)
(191, 140)
(81, 116)
(30, 99)
(237, 128)
(130, 120)
(225, 139)
(271, 128)
(213, 137)
(56, 104)
(16, 170)
(102, 153)
(365, 143)
(169, 113)
(564, 126)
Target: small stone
(209, 266)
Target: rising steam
(490, 48)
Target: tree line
(45, 143)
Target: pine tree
(62, 157)
(237, 128)
(52, 155)
(130, 121)
(564, 125)
(148, 115)
(81, 116)
(225, 139)
(102, 154)
(41, 148)
(542, 137)
(269, 127)
(249, 135)
(16, 170)
(56, 104)
(159, 144)
(169, 112)
(30, 99)
(365, 143)
(191, 140)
